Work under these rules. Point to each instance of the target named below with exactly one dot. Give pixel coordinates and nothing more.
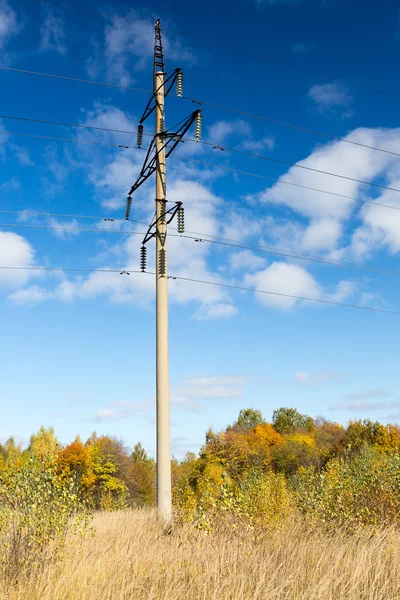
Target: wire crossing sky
(291, 205)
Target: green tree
(142, 477)
(289, 420)
(248, 418)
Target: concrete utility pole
(164, 492)
(161, 146)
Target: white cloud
(331, 96)
(305, 378)
(219, 132)
(193, 390)
(52, 32)
(253, 145)
(30, 295)
(118, 410)
(246, 259)
(368, 394)
(22, 155)
(64, 229)
(301, 377)
(292, 280)
(216, 311)
(9, 25)
(15, 251)
(321, 234)
(344, 159)
(283, 278)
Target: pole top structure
(158, 50)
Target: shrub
(38, 510)
(353, 490)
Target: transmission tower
(160, 148)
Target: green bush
(38, 510)
(353, 490)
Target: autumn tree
(288, 420)
(44, 444)
(142, 477)
(248, 418)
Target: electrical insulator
(161, 124)
(162, 263)
(181, 220)
(128, 207)
(198, 124)
(143, 258)
(139, 136)
(179, 83)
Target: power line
(77, 125)
(246, 289)
(60, 139)
(70, 228)
(77, 80)
(306, 187)
(123, 146)
(290, 125)
(214, 144)
(218, 241)
(238, 50)
(126, 147)
(297, 255)
(125, 271)
(72, 216)
(297, 166)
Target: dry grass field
(130, 557)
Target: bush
(353, 490)
(38, 510)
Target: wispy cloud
(302, 48)
(367, 400)
(52, 32)
(306, 378)
(117, 410)
(188, 395)
(331, 97)
(9, 24)
(369, 394)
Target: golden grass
(130, 557)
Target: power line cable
(293, 254)
(289, 125)
(76, 79)
(123, 146)
(306, 187)
(126, 147)
(71, 228)
(219, 241)
(34, 213)
(256, 55)
(76, 141)
(213, 144)
(304, 167)
(127, 271)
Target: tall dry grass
(130, 557)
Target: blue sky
(78, 349)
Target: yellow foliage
(302, 439)
(266, 435)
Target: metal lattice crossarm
(152, 230)
(175, 77)
(171, 140)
